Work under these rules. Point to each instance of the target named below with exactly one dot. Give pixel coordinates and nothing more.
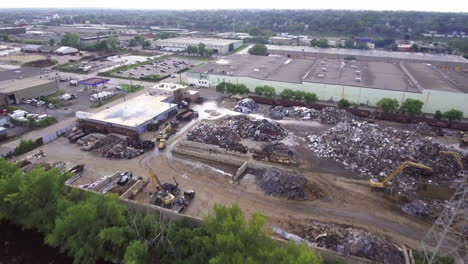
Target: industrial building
(131, 116)
(26, 83)
(366, 55)
(218, 46)
(12, 30)
(361, 82)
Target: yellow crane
(457, 157)
(163, 198)
(376, 184)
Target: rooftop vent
(324, 69)
(256, 70)
(358, 72)
(358, 79)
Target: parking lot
(159, 68)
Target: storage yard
(307, 170)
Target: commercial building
(361, 82)
(31, 48)
(218, 46)
(282, 40)
(64, 50)
(12, 30)
(367, 55)
(131, 116)
(26, 83)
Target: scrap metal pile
(246, 106)
(327, 115)
(276, 152)
(375, 152)
(280, 183)
(114, 146)
(355, 242)
(233, 129)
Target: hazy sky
(419, 5)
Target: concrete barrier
(107, 181)
(133, 190)
(217, 157)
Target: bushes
(388, 105)
(343, 103)
(266, 91)
(231, 88)
(26, 146)
(47, 121)
(411, 107)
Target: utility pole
(447, 236)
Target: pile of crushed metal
(355, 242)
(328, 115)
(282, 184)
(232, 129)
(375, 152)
(246, 106)
(111, 145)
(276, 152)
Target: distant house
(64, 50)
(31, 48)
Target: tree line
(89, 226)
(73, 40)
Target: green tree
(5, 38)
(258, 49)
(438, 115)
(135, 253)
(322, 43)
(287, 94)
(51, 42)
(388, 105)
(140, 39)
(349, 43)
(266, 91)
(71, 39)
(343, 103)
(453, 115)
(112, 45)
(411, 107)
(255, 32)
(133, 43)
(310, 98)
(166, 35)
(232, 240)
(221, 87)
(201, 49)
(92, 229)
(299, 95)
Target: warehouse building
(131, 116)
(360, 82)
(26, 83)
(367, 55)
(12, 30)
(218, 46)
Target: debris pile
(279, 183)
(279, 112)
(276, 152)
(115, 146)
(246, 106)
(328, 115)
(418, 208)
(423, 129)
(355, 242)
(233, 129)
(376, 152)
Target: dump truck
(187, 115)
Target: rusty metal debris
(276, 152)
(328, 115)
(246, 106)
(280, 183)
(355, 242)
(233, 129)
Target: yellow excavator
(457, 157)
(380, 185)
(163, 197)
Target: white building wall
(433, 100)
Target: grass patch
(103, 102)
(69, 67)
(131, 88)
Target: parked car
(124, 178)
(40, 103)
(73, 82)
(118, 87)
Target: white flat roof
(135, 111)
(196, 41)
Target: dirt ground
(21, 59)
(345, 198)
